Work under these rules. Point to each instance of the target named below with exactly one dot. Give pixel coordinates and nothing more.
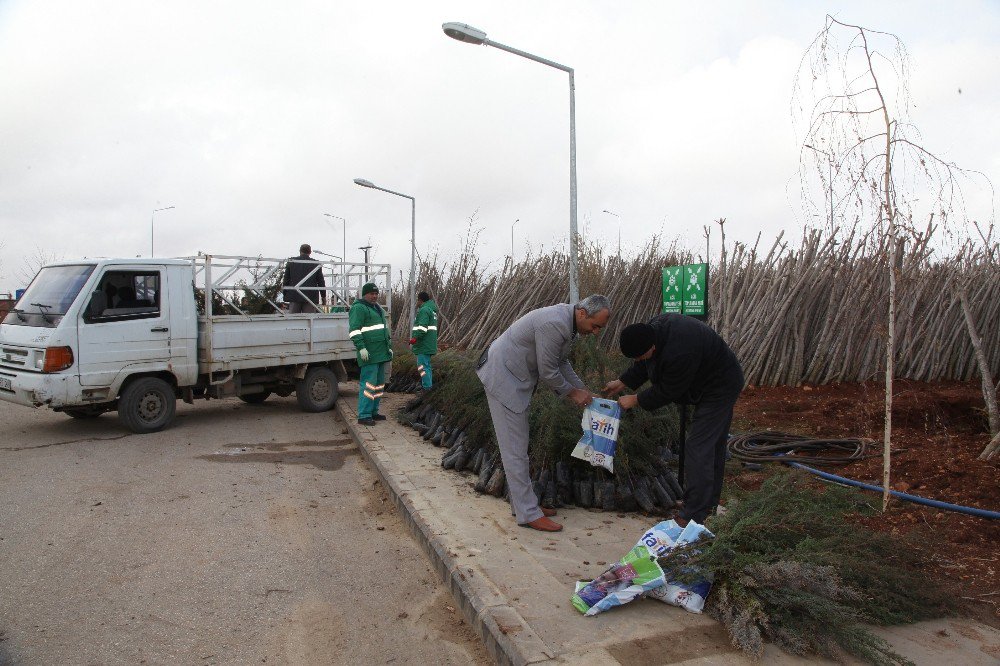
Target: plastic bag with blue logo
(600, 434)
(620, 583)
(662, 539)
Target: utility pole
(365, 248)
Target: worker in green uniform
(425, 337)
(370, 334)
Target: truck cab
(81, 329)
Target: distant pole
(151, 218)
(512, 240)
(619, 231)
(366, 248)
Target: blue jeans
(424, 368)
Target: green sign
(685, 289)
(673, 279)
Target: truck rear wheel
(318, 390)
(147, 405)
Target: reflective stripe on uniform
(365, 329)
(432, 328)
(420, 328)
(371, 396)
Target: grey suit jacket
(535, 347)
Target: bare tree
(861, 149)
(30, 265)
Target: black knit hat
(636, 339)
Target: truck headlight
(57, 358)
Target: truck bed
(233, 342)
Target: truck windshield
(49, 296)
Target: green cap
(369, 288)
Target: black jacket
(295, 272)
(691, 363)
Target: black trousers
(705, 451)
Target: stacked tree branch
(812, 314)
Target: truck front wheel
(318, 390)
(147, 405)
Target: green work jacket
(370, 331)
(425, 329)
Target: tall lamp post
(151, 218)
(413, 240)
(619, 231)
(512, 239)
(470, 35)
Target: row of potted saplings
(652, 488)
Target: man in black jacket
(686, 362)
(303, 282)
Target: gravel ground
(243, 534)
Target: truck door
(124, 325)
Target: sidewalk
(513, 584)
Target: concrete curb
(507, 636)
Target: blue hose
(970, 510)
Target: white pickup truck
(134, 335)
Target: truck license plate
(5, 384)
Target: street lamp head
(363, 183)
(464, 33)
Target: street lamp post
(512, 239)
(151, 218)
(619, 231)
(470, 35)
(413, 240)
(337, 217)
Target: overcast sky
(253, 118)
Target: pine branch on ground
(791, 568)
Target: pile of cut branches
(791, 567)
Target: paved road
(243, 534)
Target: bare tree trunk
(991, 448)
(989, 390)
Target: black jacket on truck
(295, 270)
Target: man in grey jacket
(535, 348)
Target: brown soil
(938, 432)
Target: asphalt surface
(243, 534)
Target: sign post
(685, 291)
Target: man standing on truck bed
(370, 335)
(307, 271)
(425, 338)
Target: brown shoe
(548, 513)
(543, 524)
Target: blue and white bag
(665, 537)
(600, 433)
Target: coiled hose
(777, 447)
